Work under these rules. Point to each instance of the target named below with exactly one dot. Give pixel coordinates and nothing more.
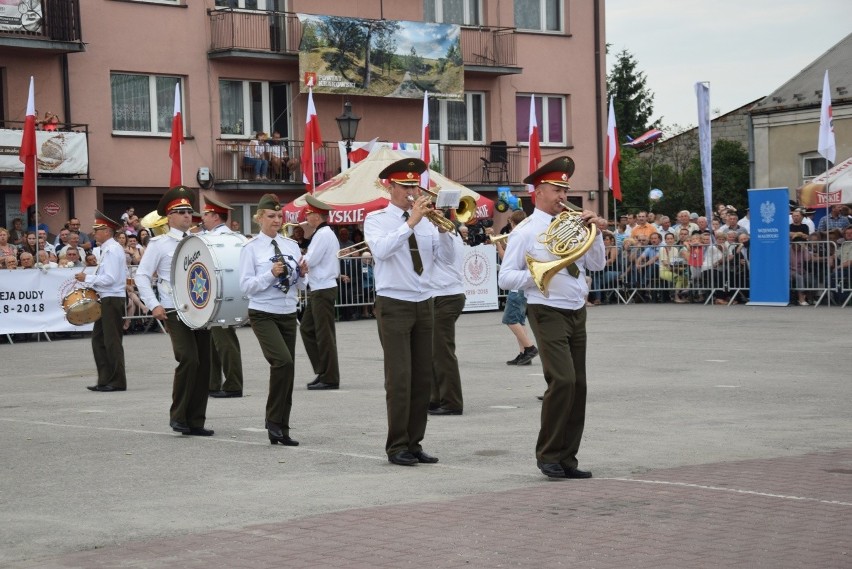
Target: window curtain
(166, 103)
(528, 15)
(231, 107)
(131, 105)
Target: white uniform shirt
(256, 278)
(447, 278)
(220, 229)
(111, 276)
(564, 290)
(387, 232)
(158, 260)
(323, 264)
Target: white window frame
(468, 102)
(265, 104)
(152, 97)
(542, 24)
(439, 12)
(813, 158)
(544, 120)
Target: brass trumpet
(568, 238)
(465, 213)
(500, 237)
(346, 252)
(288, 228)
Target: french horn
(568, 238)
(155, 223)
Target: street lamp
(348, 125)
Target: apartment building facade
(108, 69)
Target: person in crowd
(843, 274)
(343, 238)
(133, 250)
(642, 227)
(739, 265)
(125, 217)
(191, 348)
(665, 226)
(800, 275)
(50, 122)
(558, 320)
(27, 261)
(235, 226)
(683, 237)
(732, 222)
(45, 262)
(109, 281)
(621, 232)
(712, 263)
(6, 248)
(515, 311)
(255, 156)
(835, 220)
(406, 246)
(272, 309)
(350, 282)
(85, 242)
(317, 326)
(448, 285)
(43, 242)
(70, 257)
(673, 266)
(647, 264)
(630, 250)
(368, 284)
(225, 353)
(606, 279)
(144, 236)
(299, 237)
(280, 163)
(62, 239)
(91, 260)
(16, 232)
(11, 262)
(684, 222)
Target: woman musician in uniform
(270, 267)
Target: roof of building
(804, 90)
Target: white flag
(826, 146)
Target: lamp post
(348, 125)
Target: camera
(476, 232)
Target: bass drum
(82, 306)
(206, 281)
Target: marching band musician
(406, 249)
(448, 286)
(557, 319)
(272, 309)
(225, 355)
(317, 329)
(191, 347)
(110, 282)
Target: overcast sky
(744, 48)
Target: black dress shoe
(445, 411)
(424, 457)
(224, 394)
(552, 469)
(577, 473)
(199, 432)
(108, 388)
(540, 397)
(315, 381)
(179, 427)
(93, 387)
(321, 385)
(433, 405)
(403, 458)
(282, 440)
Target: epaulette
(524, 222)
(289, 239)
(159, 236)
(377, 212)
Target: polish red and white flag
(28, 153)
(535, 148)
(175, 150)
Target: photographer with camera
(477, 234)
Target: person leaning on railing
(607, 278)
(673, 266)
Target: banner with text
(58, 152)
(480, 278)
(20, 16)
(31, 301)
(769, 247)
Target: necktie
(275, 246)
(573, 270)
(415, 253)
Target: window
(543, 15)
(813, 165)
(247, 107)
(549, 114)
(462, 12)
(457, 121)
(143, 103)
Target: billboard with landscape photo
(381, 58)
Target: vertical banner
(702, 91)
(480, 278)
(769, 247)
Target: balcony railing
(464, 164)
(62, 153)
(280, 33)
(59, 22)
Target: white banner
(58, 152)
(702, 92)
(480, 278)
(20, 15)
(31, 301)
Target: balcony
(258, 34)
(463, 164)
(63, 155)
(52, 27)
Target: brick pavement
(773, 513)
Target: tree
(381, 29)
(634, 102)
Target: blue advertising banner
(769, 247)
